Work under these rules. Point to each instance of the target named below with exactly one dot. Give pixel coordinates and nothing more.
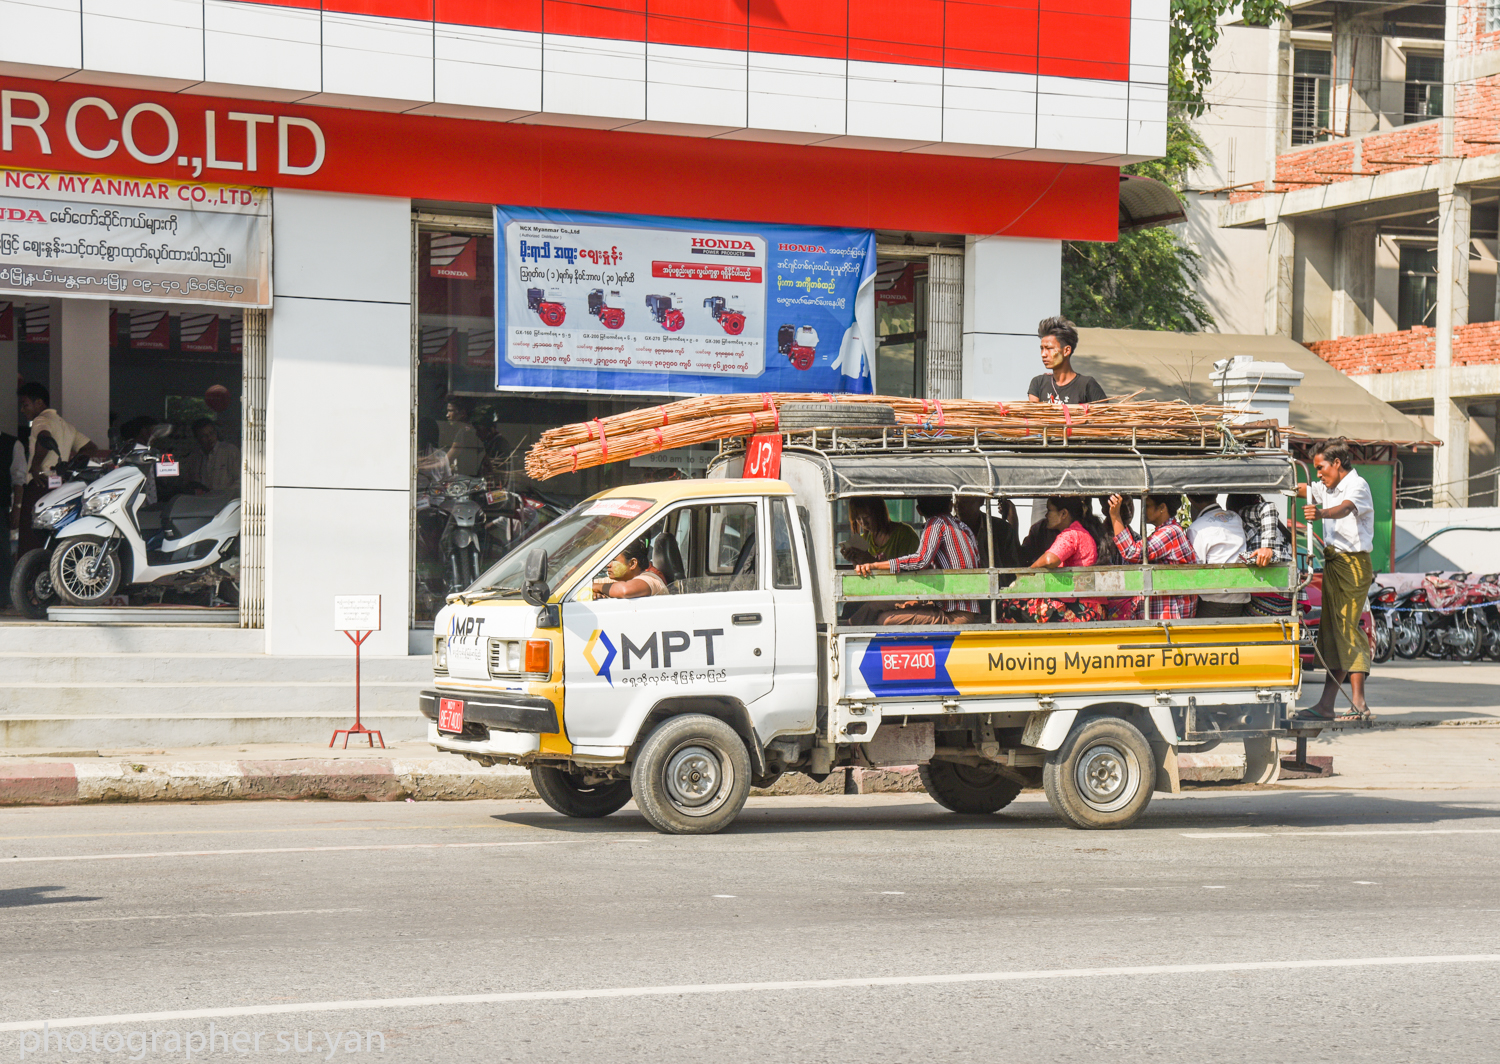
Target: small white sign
(356, 613)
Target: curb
(330, 779)
(397, 779)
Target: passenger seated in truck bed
(946, 543)
(1075, 546)
(876, 537)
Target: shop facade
(380, 191)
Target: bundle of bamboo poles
(704, 419)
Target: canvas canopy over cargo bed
(1033, 474)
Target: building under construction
(1351, 203)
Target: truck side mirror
(536, 590)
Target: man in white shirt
(1341, 499)
(52, 441)
(1218, 538)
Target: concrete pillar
(1356, 71)
(1281, 267)
(1450, 467)
(1009, 285)
(1279, 100)
(1353, 281)
(80, 367)
(338, 419)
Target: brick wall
(1393, 352)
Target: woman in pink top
(1075, 546)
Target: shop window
(1416, 302)
(470, 441)
(1312, 95)
(1424, 88)
(901, 326)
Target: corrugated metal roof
(1166, 365)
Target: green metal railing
(1104, 581)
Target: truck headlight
(440, 654)
(101, 501)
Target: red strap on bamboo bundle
(1083, 410)
(575, 459)
(1002, 410)
(766, 403)
(663, 415)
(1067, 419)
(660, 445)
(941, 417)
(603, 440)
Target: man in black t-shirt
(1060, 384)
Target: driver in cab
(631, 574)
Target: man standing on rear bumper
(1341, 499)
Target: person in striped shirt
(946, 543)
(1267, 542)
(1166, 545)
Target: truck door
(713, 634)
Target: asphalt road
(1229, 926)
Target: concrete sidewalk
(1438, 727)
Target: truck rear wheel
(571, 796)
(968, 788)
(1102, 776)
(692, 775)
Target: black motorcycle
(1409, 623)
(1382, 602)
(1453, 626)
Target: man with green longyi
(1341, 499)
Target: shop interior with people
(149, 395)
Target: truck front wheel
(968, 789)
(692, 775)
(571, 796)
(1102, 776)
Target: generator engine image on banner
(631, 303)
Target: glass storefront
(472, 498)
(174, 380)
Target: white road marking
(1213, 888)
(1320, 834)
(208, 916)
(1365, 883)
(723, 895)
(283, 849)
(606, 993)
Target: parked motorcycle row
(472, 525)
(1443, 617)
(108, 535)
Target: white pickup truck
(745, 668)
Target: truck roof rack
(1202, 439)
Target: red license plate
(908, 663)
(450, 714)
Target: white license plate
(450, 715)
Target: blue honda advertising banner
(630, 303)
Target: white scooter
(196, 546)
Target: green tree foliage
(1148, 278)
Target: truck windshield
(569, 542)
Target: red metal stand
(370, 734)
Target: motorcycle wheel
(31, 585)
(1467, 641)
(1384, 640)
(1409, 638)
(69, 576)
(1491, 639)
